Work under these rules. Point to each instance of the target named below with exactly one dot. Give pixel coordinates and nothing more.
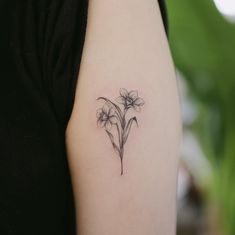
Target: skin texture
(125, 46)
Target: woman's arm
(125, 47)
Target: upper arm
(125, 47)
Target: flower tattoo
(113, 118)
(130, 99)
(106, 117)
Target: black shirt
(40, 50)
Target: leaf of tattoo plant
(112, 117)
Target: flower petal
(121, 100)
(139, 102)
(113, 119)
(111, 112)
(98, 113)
(106, 108)
(137, 108)
(100, 123)
(123, 92)
(108, 125)
(133, 94)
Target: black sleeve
(48, 38)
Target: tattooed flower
(130, 99)
(112, 114)
(106, 117)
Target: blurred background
(202, 40)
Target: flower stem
(121, 167)
(122, 138)
(121, 158)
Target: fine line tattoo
(114, 115)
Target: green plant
(202, 43)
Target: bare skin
(125, 47)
